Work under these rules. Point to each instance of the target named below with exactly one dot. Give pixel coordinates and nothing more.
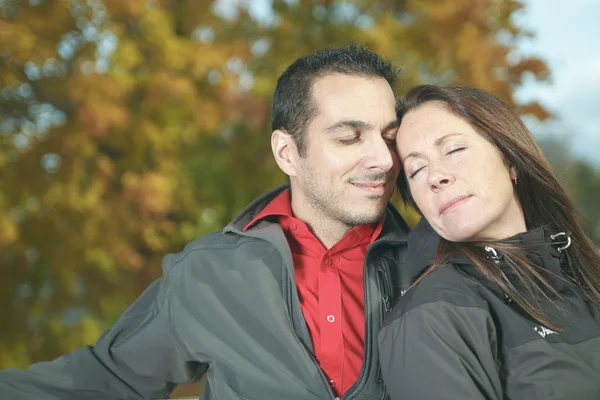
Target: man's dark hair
(293, 105)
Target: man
(285, 302)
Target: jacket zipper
(366, 353)
(386, 292)
(361, 378)
(292, 301)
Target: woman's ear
(513, 174)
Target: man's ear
(285, 152)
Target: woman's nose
(438, 178)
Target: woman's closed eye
(415, 170)
(455, 149)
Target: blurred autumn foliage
(129, 128)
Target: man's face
(349, 168)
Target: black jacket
(453, 336)
(226, 306)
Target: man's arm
(140, 357)
(441, 351)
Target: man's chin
(378, 198)
(367, 217)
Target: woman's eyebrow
(438, 142)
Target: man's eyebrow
(345, 124)
(438, 142)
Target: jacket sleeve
(440, 351)
(140, 357)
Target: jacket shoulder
(440, 329)
(446, 284)
(208, 244)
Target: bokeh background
(130, 127)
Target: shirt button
(294, 226)
(328, 261)
(332, 383)
(330, 318)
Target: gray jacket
(226, 306)
(454, 336)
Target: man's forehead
(339, 82)
(339, 97)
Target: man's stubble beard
(329, 204)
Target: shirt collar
(281, 206)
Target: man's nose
(380, 155)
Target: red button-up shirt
(330, 288)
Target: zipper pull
(386, 304)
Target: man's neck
(327, 231)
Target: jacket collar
(422, 247)
(253, 209)
(542, 249)
(395, 229)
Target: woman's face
(457, 178)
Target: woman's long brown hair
(544, 202)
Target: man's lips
(453, 202)
(370, 186)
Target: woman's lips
(454, 202)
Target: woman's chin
(459, 233)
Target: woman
(506, 302)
